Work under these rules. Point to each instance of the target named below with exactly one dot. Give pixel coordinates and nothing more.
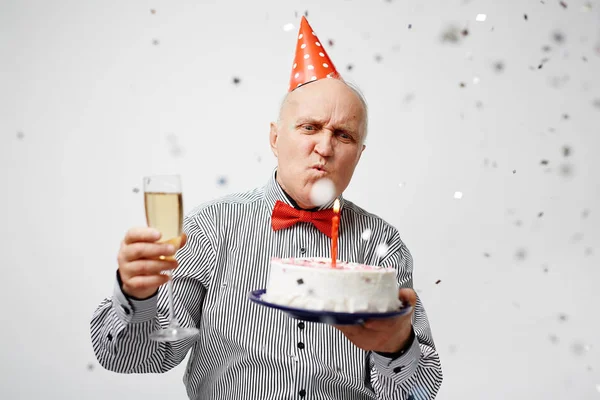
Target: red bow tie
(285, 216)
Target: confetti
(409, 97)
(566, 170)
(479, 104)
(578, 349)
(366, 235)
(525, 16)
(349, 67)
(499, 66)
(596, 103)
(540, 215)
(90, 367)
(382, 250)
(20, 135)
(518, 222)
(236, 80)
(330, 42)
(545, 269)
(300, 281)
(288, 27)
(563, 4)
(438, 281)
(514, 171)
(306, 13)
(465, 32)
(585, 213)
(521, 254)
(409, 26)
(588, 251)
(458, 195)
(222, 181)
(378, 57)
(553, 338)
(487, 255)
(322, 191)
(451, 34)
(563, 317)
(558, 37)
(481, 17)
(546, 48)
(544, 162)
(462, 84)
(155, 42)
(566, 151)
(152, 11)
(136, 190)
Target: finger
(141, 234)
(408, 296)
(149, 267)
(382, 325)
(145, 282)
(137, 251)
(183, 240)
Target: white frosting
(313, 284)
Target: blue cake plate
(326, 317)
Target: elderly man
(245, 351)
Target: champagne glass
(164, 211)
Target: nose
(324, 145)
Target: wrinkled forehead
(324, 99)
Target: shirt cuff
(399, 369)
(131, 310)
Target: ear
(364, 146)
(273, 136)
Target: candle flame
(336, 206)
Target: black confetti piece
(306, 13)
(521, 254)
(465, 32)
(20, 135)
(236, 80)
(330, 42)
(525, 16)
(451, 34)
(566, 170)
(546, 48)
(438, 281)
(349, 67)
(300, 281)
(545, 269)
(566, 151)
(499, 66)
(585, 213)
(222, 181)
(378, 58)
(558, 37)
(90, 367)
(544, 162)
(462, 84)
(409, 26)
(540, 215)
(563, 4)
(155, 42)
(487, 255)
(562, 317)
(565, 116)
(514, 171)
(136, 190)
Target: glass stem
(172, 319)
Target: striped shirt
(248, 351)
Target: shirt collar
(274, 192)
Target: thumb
(408, 296)
(183, 240)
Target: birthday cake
(313, 284)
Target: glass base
(173, 333)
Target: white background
(96, 94)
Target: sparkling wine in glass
(164, 212)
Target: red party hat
(311, 61)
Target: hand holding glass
(164, 212)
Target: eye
(346, 137)
(308, 128)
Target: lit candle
(334, 232)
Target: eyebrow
(316, 121)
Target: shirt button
(301, 325)
(126, 310)
(302, 250)
(302, 393)
(300, 345)
(109, 337)
(397, 369)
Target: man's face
(320, 134)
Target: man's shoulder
(365, 216)
(248, 198)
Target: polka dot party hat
(311, 61)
